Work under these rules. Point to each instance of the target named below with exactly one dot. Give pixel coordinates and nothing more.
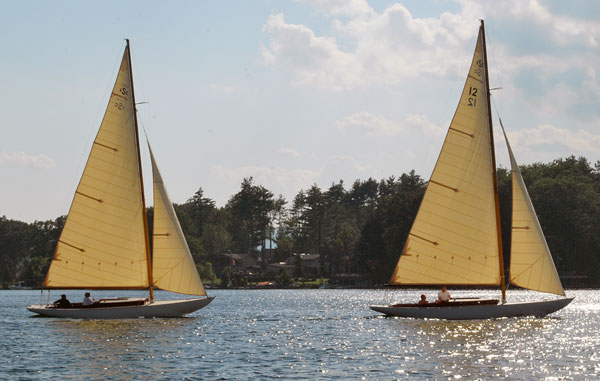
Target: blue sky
(292, 93)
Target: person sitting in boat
(423, 300)
(443, 296)
(87, 301)
(63, 302)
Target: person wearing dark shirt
(63, 302)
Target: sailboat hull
(468, 312)
(156, 309)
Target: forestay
(454, 238)
(102, 244)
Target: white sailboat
(105, 243)
(456, 238)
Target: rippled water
(302, 334)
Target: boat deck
(452, 303)
(107, 303)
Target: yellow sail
(103, 242)
(531, 264)
(454, 238)
(173, 268)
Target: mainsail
(173, 268)
(103, 243)
(454, 238)
(531, 264)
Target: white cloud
(369, 123)
(562, 29)
(25, 160)
(342, 8)
(577, 142)
(288, 182)
(276, 179)
(313, 60)
(373, 125)
(556, 100)
(421, 122)
(289, 152)
(348, 162)
(385, 48)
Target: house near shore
(242, 261)
(301, 265)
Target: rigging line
(140, 121)
(499, 118)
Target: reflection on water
(466, 348)
(113, 349)
(307, 334)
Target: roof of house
(246, 260)
(282, 265)
(309, 257)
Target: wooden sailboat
(456, 238)
(105, 241)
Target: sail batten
(105, 228)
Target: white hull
(486, 311)
(157, 309)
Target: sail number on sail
(472, 96)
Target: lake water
(300, 334)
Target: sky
(292, 93)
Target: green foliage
(26, 250)
(283, 279)
(216, 238)
(226, 277)
(206, 272)
(361, 229)
(250, 210)
(198, 209)
(384, 233)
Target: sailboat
(105, 243)
(455, 239)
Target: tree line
(356, 229)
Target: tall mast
(494, 177)
(145, 217)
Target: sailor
(63, 302)
(444, 295)
(423, 299)
(87, 301)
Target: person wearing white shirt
(444, 295)
(87, 301)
